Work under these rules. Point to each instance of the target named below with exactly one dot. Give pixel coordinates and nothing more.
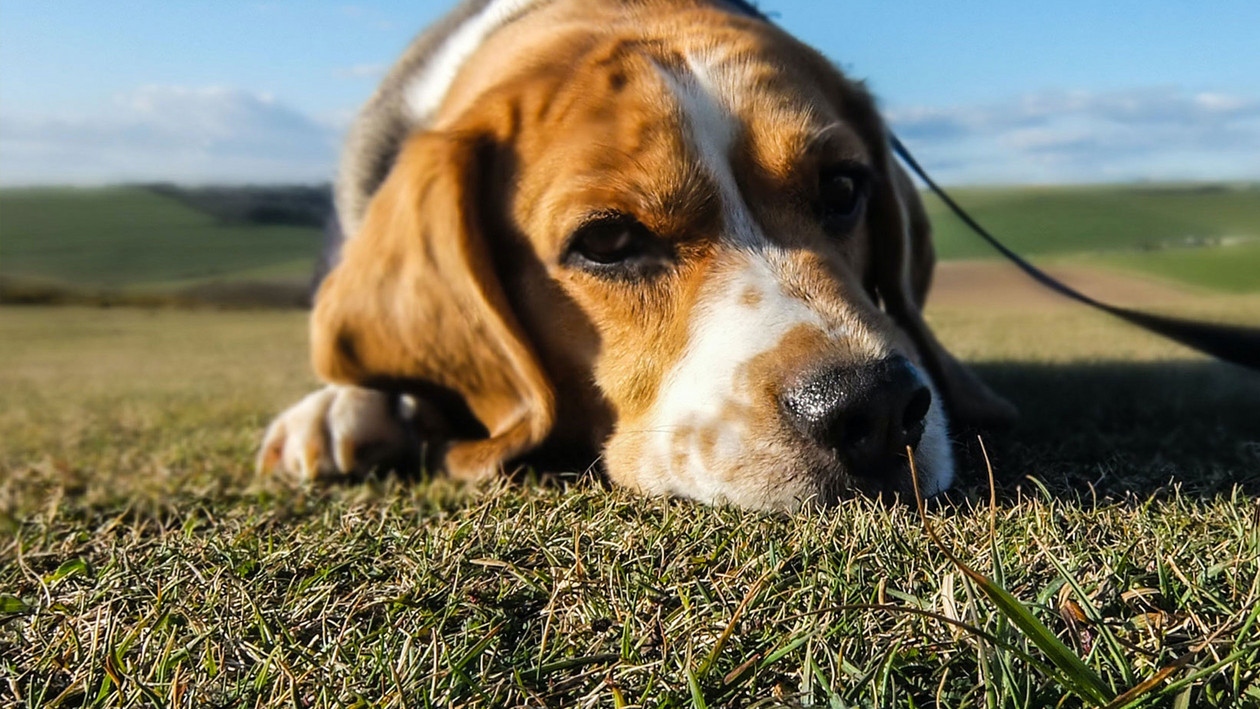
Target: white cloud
(230, 135)
(1155, 133)
(170, 133)
(372, 16)
(361, 71)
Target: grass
(1141, 229)
(149, 242)
(141, 563)
(135, 238)
(1231, 268)
(1073, 219)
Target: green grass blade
(697, 697)
(1084, 681)
(1109, 639)
(1081, 680)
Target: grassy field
(1142, 229)
(142, 564)
(141, 240)
(133, 238)
(1233, 268)
(1056, 219)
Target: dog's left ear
(903, 256)
(417, 302)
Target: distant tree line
(295, 205)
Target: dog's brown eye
(841, 195)
(615, 245)
(606, 243)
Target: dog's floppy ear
(901, 243)
(416, 300)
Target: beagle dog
(659, 235)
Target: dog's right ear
(904, 285)
(902, 251)
(416, 300)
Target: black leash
(1232, 343)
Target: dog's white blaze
(705, 100)
(425, 92)
(728, 330)
(726, 333)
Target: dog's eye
(842, 193)
(615, 245)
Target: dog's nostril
(858, 436)
(857, 430)
(916, 410)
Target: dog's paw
(335, 431)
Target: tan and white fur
(507, 130)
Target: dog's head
(680, 239)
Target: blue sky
(985, 92)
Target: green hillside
(1207, 235)
(136, 238)
(166, 240)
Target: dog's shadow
(1120, 431)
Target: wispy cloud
(205, 134)
(218, 134)
(1077, 136)
(369, 14)
(361, 71)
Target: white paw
(334, 431)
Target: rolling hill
(1206, 236)
(257, 242)
(138, 240)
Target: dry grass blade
(1078, 677)
(1149, 684)
(730, 626)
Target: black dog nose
(868, 413)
